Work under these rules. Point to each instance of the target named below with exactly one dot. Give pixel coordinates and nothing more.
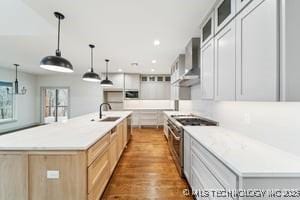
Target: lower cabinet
(187, 155)
(57, 175)
(125, 124)
(113, 150)
(61, 175)
(153, 118)
(166, 131)
(206, 174)
(98, 176)
(120, 140)
(13, 176)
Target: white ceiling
(122, 30)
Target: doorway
(55, 104)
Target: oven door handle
(176, 138)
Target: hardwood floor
(146, 170)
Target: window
(160, 78)
(144, 78)
(167, 78)
(206, 30)
(55, 104)
(152, 78)
(6, 101)
(224, 11)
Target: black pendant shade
(57, 63)
(91, 76)
(106, 82)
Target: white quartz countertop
(75, 134)
(245, 156)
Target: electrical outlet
(247, 118)
(52, 174)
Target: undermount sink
(110, 119)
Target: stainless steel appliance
(132, 94)
(176, 132)
(129, 128)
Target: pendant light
(57, 63)
(106, 82)
(16, 92)
(91, 76)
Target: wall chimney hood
(192, 64)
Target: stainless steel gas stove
(175, 139)
(192, 120)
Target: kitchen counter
(245, 156)
(75, 134)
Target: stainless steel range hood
(192, 63)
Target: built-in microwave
(131, 94)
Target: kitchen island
(70, 160)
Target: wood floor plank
(146, 170)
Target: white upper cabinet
(117, 79)
(257, 47)
(224, 12)
(240, 4)
(207, 30)
(225, 67)
(132, 81)
(178, 68)
(207, 71)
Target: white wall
(85, 97)
(274, 123)
(25, 104)
(155, 90)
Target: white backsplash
(148, 104)
(274, 123)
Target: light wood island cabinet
(62, 175)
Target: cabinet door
(187, 155)
(224, 12)
(132, 81)
(14, 176)
(258, 52)
(207, 30)
(207, 70)
(98, 176)
(240, 4)
(125, 132)
(225, 64)
(117, 79)
(120, 139)
(113, 154)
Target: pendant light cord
(92, 60)
(107, 68)
(16, 71)
(58, 53)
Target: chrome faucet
(100, 110)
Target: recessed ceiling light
(120, 70)
(153, 61)
(156, 42)
(152, 70)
